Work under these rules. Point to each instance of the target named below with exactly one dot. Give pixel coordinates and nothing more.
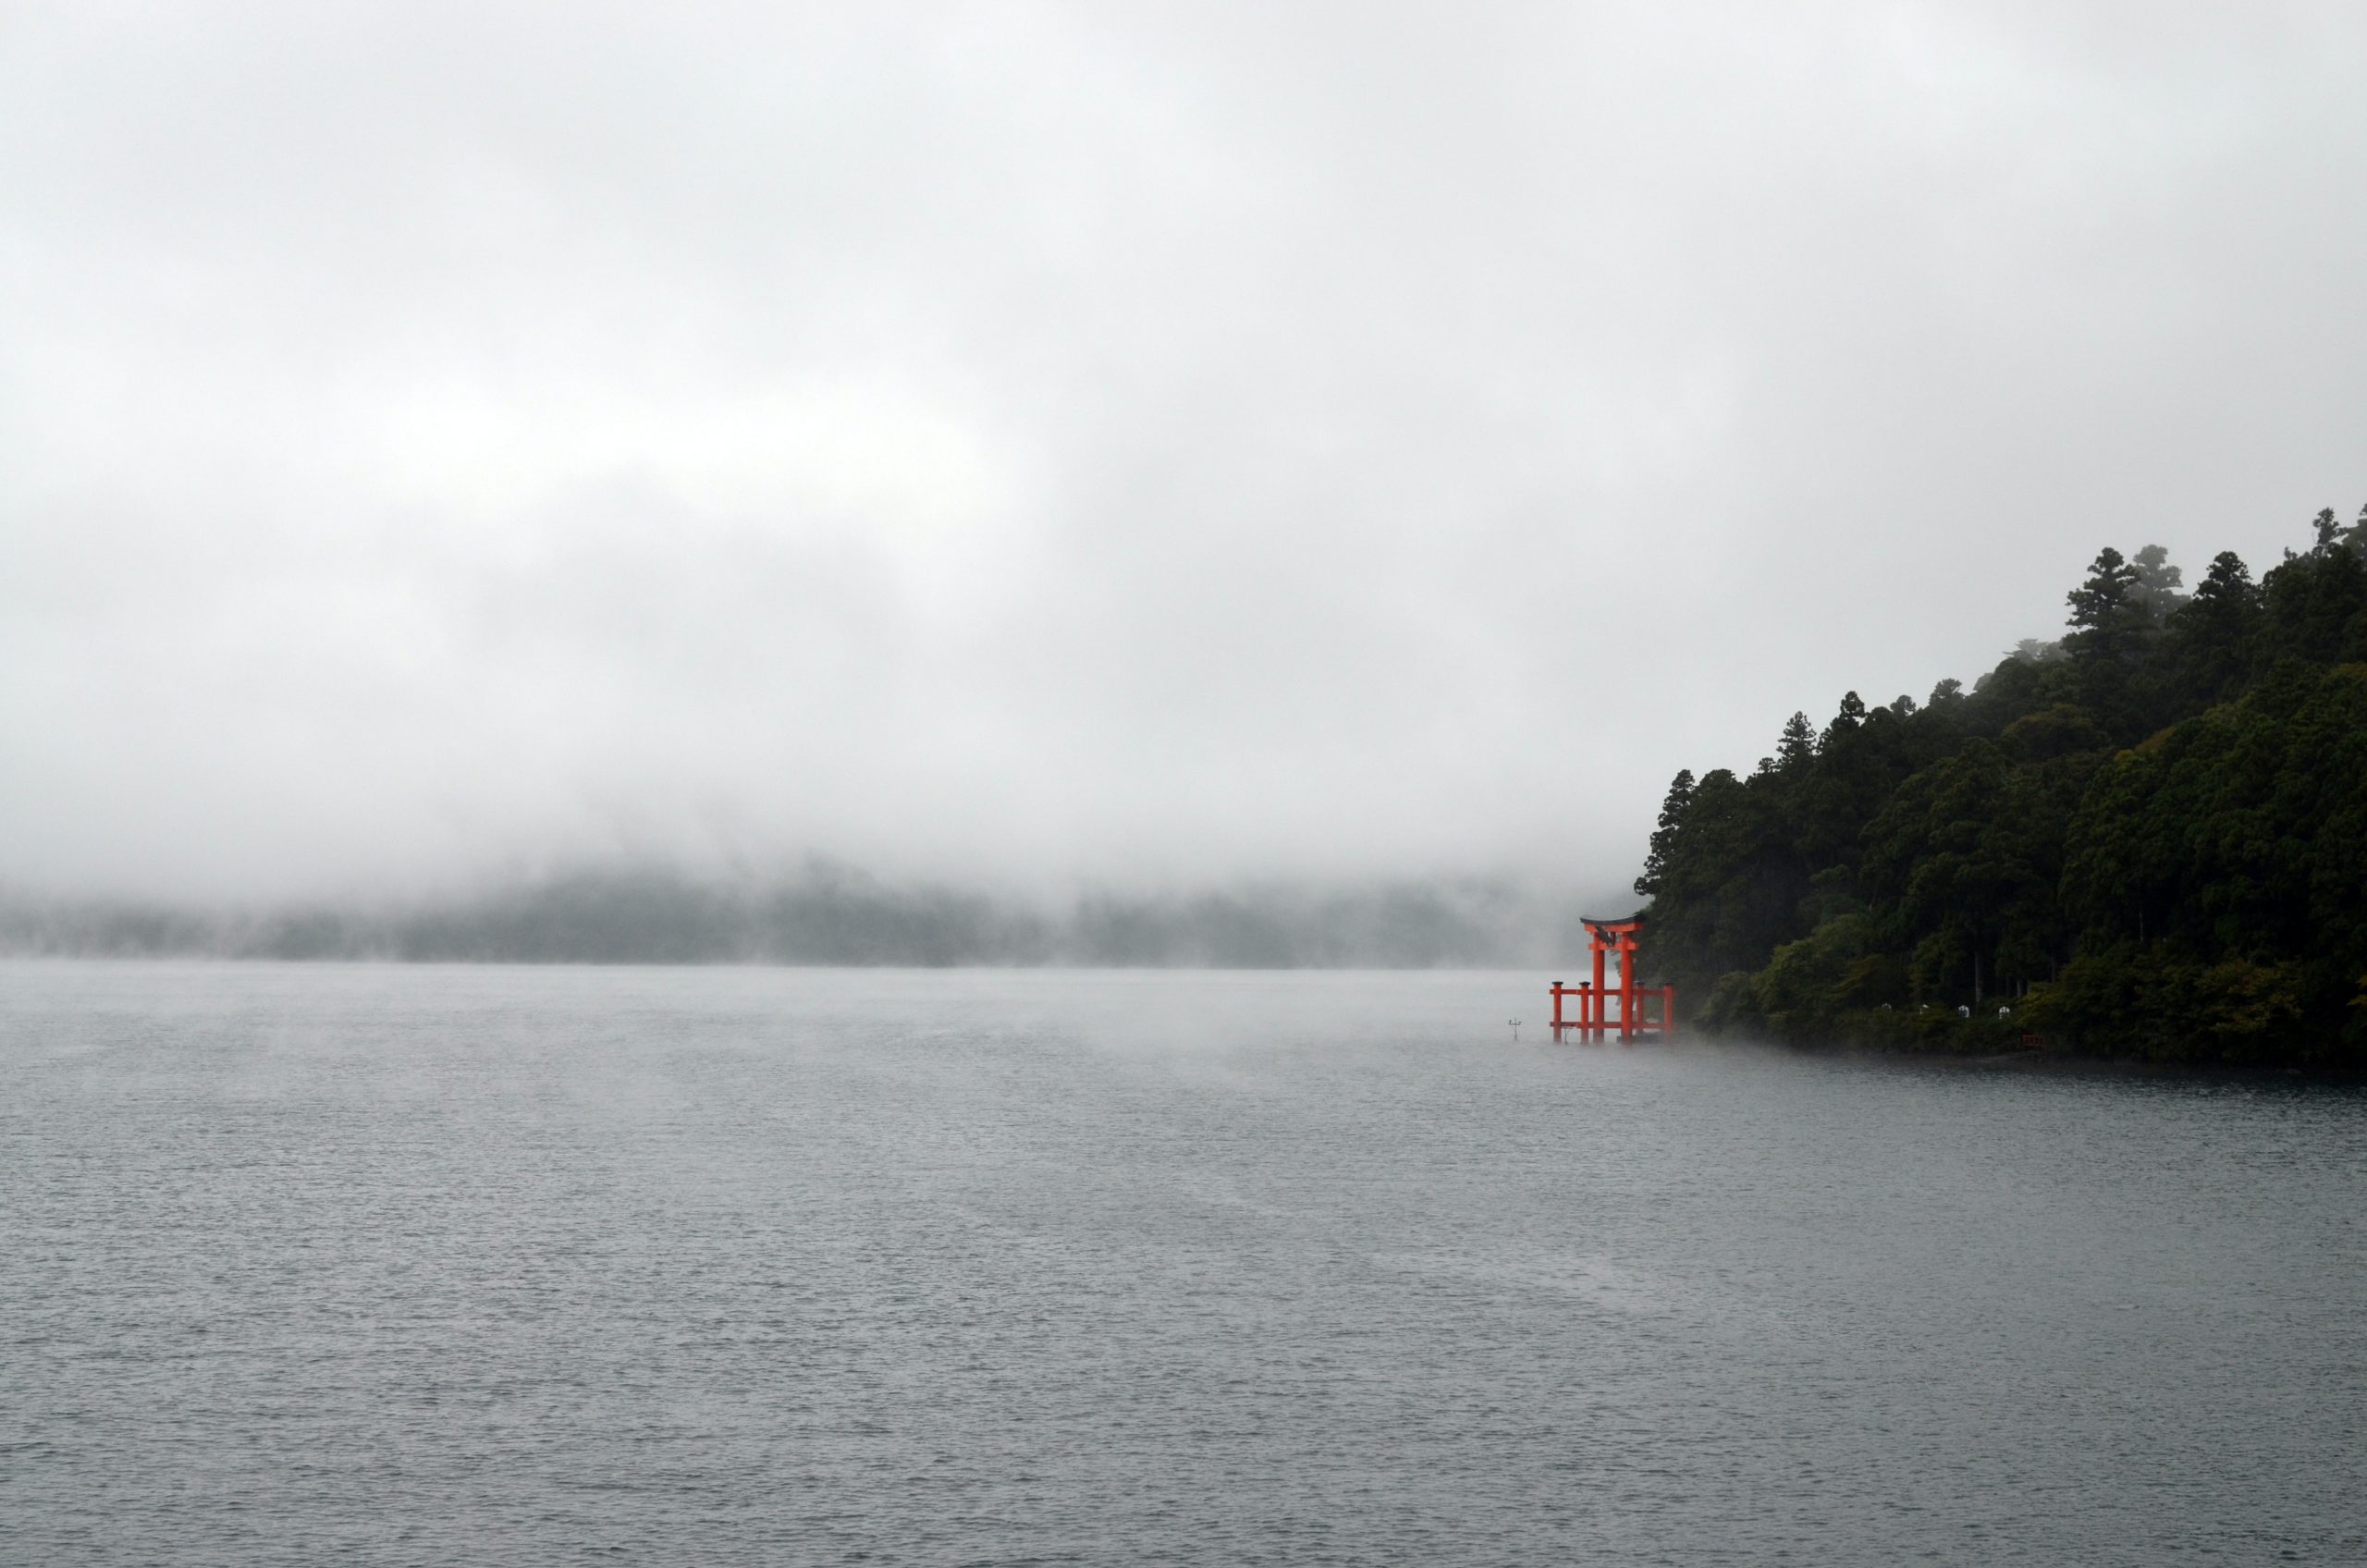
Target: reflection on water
(438, 1264)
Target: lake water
(302, 1265)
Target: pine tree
(2158, 582)
(2108, 620)
(1795, 748)
(2208, 647)
(2327, 530)
(1658, 861)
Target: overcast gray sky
(1121, 443)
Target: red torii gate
(1593, 1020)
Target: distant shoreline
(825, 913)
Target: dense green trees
(2149, 839)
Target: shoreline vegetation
(2145, 840)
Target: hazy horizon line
(822, 912)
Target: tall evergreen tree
(1665, 836)
(2210, 645)
(2159, 585)
(2108, 619)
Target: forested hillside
(2147, 838)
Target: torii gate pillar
(1593, 1022)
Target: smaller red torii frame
(1594, 1021)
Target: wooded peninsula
(2147, 838)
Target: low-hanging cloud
(1053, 444)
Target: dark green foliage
(2149, 840)
(2240, 837)
(2207, 655)
(2316, 604)
(2109, 619)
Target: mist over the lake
(823, 914)
(1188, 458)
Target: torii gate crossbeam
(1594, 1021)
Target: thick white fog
(1058, 445)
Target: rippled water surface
(307, 1265)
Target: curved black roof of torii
(1634, 919)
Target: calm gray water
(302, 1265)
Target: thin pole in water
(1515, 1024)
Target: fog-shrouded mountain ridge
(828, 913)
